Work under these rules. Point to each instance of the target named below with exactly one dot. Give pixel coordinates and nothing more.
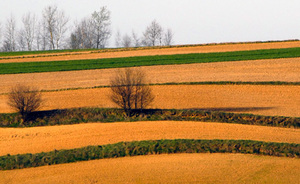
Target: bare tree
(21, 40)
(123, 41)
(82, 36)
(49, 15)
(128, 90)
(29, 23)
(56, 25)
(168, 37)
(101, 27)
(126, 41)
(61, 28)
(136, 40)
(25, 100)
(153, 34)
(118, 39)
(42, 41)
(10, 35)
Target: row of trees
(153, 35)
(53, 31)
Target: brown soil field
(176, 168)
(42, 139)
(162, 51)
(259, 70)
(271, 100)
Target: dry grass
(260, 70)
(177, 168)
(44, 139)
(163, 51)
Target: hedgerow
(124, 149)
(84, 115)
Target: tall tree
(29, 23)
(10, 35)
(56, 25)
(118, 39)
(153, 34)
(82, 36)
(126, 41)
(168, 37)
(101, 27)
(135, 39)
(49, 15)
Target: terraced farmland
(277, 96)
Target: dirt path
(255, 99)
(43, 139)
(176, 168)
(163, 51)
(260, 70)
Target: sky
(192, 21)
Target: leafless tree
(126, 41)
(136, 40)
(10, 35)
(56, 25)
(118, 39)
(82, 36)
(123, 41)
(29, 23)
(61, 28)
(21, 40)
(128, 90)
(101, 27)
(153, 34)
(49, 15)
(168, 37)
(24, 100)
(42, 41)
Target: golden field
(273, 100)
(44, 139)
(177, 168)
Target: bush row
(123, 149)
(84, 115)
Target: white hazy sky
(192, 21)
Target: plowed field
(177, 168)
(44, 139)
(260, 70)
(163, 51)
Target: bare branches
(129, 91)
(153, 34)
(101, 26)
(29, 23)
(24, 100)
(55, 22)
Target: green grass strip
(124, 149)
(52, 66)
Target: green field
(52, 66)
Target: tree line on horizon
(53, 31)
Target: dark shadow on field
(44, 114)
(233, 109)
